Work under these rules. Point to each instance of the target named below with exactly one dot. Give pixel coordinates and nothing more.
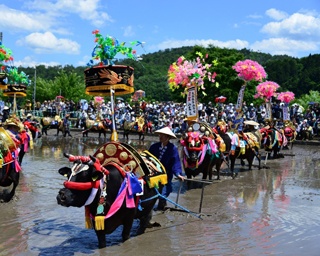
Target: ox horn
(67, 155)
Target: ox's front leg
(15, 178)
(127, 225)
(144, 223)
(232, 162)
(218, 166)
(101, 235)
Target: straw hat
(250, 122)
(166, 130)
(10, 123)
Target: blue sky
(59, 32)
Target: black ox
(84, 188)
(8, 177)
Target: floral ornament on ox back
(266, 90)
(286, 97)
(250, 70)
(108, 47)
(185, 73)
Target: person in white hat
(168, 155)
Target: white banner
(240, 98)
(268, 111)
(286, 115)
(192, 104)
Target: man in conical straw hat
(168, 155)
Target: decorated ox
(34, 128)
(200, 152)
(272, 141)
(238, 145)
(22, 134)
(9, 167)
(290, 133)
(100, 126)
(52, 123)
(246, 146)
(58, 124)
(116, 186)
(47, 123)
(138, 126)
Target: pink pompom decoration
(184, 73)
(286, 97)
(266, 90)
(98, 100)
(250, 70)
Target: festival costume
(169, 157)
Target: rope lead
(159, 195)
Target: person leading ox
(168, 155)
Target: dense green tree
(306, 99)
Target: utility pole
(0, 38)
(34, 90)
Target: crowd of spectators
(172, 114)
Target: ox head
(221, 127)
(288, 132)
(193, 145)
(84, 180)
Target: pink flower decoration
(286, 97)
(184, 73)
(250, 70)
(98, 100)
(266, 90)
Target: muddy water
(271, 211)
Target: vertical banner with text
(240, 98)
(268, 111)
(285, 113)
(192, 103)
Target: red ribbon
(81, 185)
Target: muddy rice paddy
(272, 211)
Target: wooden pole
(177, 199)
(201, 199)
(114, 134)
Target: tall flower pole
(247, 70)
(286, 98)
(103, 78)
(266, 91)
(190, 75)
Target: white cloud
(236, 44)
(86, 9)
(297, 26)
(48, 43)
(29, 61)
(284, 46)
(18, 20)
(276, 14)
(128, 31)
(254, 16)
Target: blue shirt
(169, 157)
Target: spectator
(66, 126)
